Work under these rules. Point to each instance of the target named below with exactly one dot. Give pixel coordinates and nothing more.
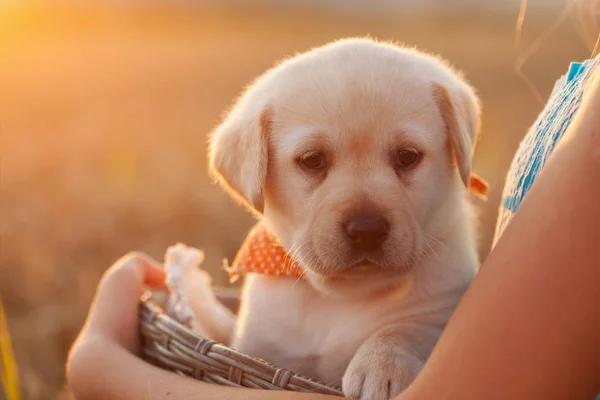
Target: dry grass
(9, 375)
(104, 117)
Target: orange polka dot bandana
(478, 186)
(262, 253)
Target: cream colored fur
(370, 328)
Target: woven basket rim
(169, 344)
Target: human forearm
(119, 375)
(529, 325)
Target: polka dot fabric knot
(263, 254)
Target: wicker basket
(171, 345)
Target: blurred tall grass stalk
(8, 369)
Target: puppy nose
(366, 231)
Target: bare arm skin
(121, 375)
(528, 327)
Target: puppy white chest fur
(295, 327)
(292, 325)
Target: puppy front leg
(389, 361)
(212, 319)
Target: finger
(138, 266)
(114, 313)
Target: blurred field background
(104, 114)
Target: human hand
(113, 321)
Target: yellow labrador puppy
(357, 158)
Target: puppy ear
(460, 110)
(239, 151)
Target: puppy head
(358, 154)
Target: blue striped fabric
(543, 136)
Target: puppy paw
(180, 262)
(379, 373)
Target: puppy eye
(312, 160)
(407, 158)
